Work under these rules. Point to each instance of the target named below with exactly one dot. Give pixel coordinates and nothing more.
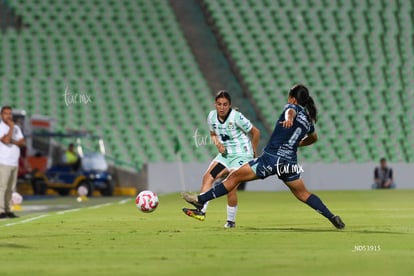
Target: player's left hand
(287, 123)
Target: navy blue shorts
(268, 164)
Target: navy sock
(316, 203)
(217, 191)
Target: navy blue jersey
(284, 141)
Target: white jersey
(233, 132)
(9, 154)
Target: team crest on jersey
(231, 125)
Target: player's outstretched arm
(220, 147)
(255, 136)
(290, 115)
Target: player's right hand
(221, 148)
(10, 123)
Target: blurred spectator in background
(24, 167)
(383, 176)
(71, 158)
(11, 139)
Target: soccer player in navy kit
(294, 128)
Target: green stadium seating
(356, 57)
(129, 57)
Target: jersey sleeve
(3, 130)
(210, 121)
(311, 129)
(243, 123)
(291, 106)
(17, 133)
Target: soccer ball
(147, 201)
(82, 190)
(16, 199)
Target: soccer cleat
(337, 222)
(195, 213)
(192, 199)
(230, 224)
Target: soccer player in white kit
(236, 139)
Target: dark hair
(383, 159)
(301, 94)
(5, 107)
(223, 94)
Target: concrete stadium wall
(128, 178)
(175, 177)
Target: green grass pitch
(275, 235)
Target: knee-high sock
(316, 203)
(231, 213)
(217, 191)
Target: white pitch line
(68, 211)
(124, 201)
(100, 205)
(26, 220)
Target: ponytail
(312, 110)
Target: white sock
(204, 210)
(231, 213)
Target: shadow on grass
(13, 245)
(314, 230)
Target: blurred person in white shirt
(11, 139)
